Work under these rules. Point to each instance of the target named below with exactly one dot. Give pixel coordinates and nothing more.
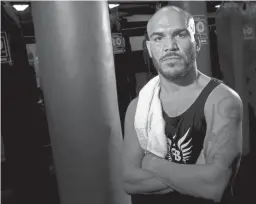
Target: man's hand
(137, 180)
(148, 162)
(162, 192)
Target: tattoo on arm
(227, 131)
(229, 109)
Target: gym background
(28, 171)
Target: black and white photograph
(128, 102)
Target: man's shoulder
(223, 100)
(133, 104)
(224, 93)
(130, 113)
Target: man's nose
(170, 45)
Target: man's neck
(180, 84)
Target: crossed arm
(137, 180)
(207, 180)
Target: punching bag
(235, 24)
(199, 12)
(78, 81)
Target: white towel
(148, 122)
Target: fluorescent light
(217, 6)
(20, 7)
(113, 5)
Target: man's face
(172, 45)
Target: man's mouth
(171, 58)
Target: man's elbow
(215, 193)
(128, 187)
(216, 189)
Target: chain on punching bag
(78, 79)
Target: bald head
(170, 17)
(172, 44)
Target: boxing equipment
(78, 81)
(235, 24)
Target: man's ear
(148, 48)
(198, 42)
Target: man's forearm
(194, 180)
(139, 181)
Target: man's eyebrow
(180, 30)
(174, 32)
(156, 33)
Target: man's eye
(158, 39)
(182, 35)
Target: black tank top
(185, 135)
(186, 132)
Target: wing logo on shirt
(181, 151)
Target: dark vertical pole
(239, 76)
(78, 80)
(229, 24)
(25, 169)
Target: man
(198, 112)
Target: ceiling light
(20, 7)
(113, 5)
(217, 6)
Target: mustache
(171, 54)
